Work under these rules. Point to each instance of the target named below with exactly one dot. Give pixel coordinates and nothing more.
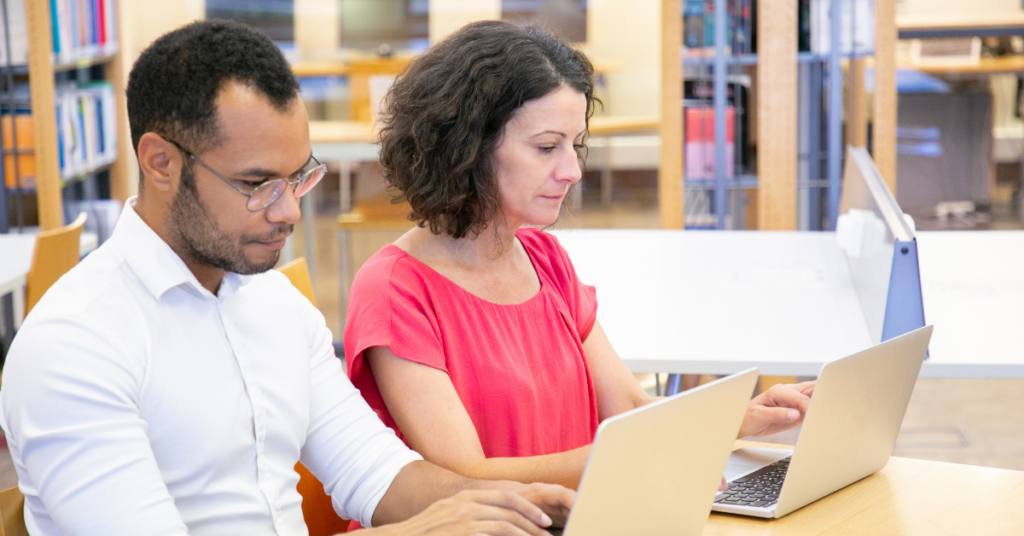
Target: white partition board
(716, 302)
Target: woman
(471, 335)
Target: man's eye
(252, 185)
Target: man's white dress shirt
(135, 402)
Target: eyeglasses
(264, 195)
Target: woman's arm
(617, 388)
(427, 409)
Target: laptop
(655, 470)
(848, 433)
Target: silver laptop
(655, 470)
(848, 433)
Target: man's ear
(159, 161)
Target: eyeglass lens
(267, 193)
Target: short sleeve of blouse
(549, 256)
(390, 306)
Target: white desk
(714, 302)
(15, 259)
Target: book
(699, 27)
(20, 123)
(86, 127)
(699, 148)
(17, 25)
(82, 29)
(856, 21)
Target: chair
(374, 214)
(12, 513)
(317, 509)
(56, 252)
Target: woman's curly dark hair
(444, 117)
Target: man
(170, 382)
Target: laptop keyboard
(759, 489)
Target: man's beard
(202, 239)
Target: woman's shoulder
(539, 240)
(389, 267)
(544, 249)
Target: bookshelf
(779, 198)
(76, 100)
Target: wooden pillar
(777, 115)
(670, 172)
(884, 127)
(44, 114)
(856, 105)
(124, 175)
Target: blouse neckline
(438, 275)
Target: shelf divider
(44, 114)
(777, 115)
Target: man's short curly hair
(444, 117)
(173, 86)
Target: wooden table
(907, 497)
(970, 23)
(984, 67)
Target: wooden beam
(856, 105)
(44, 114)
(777, 116)
(124, 174)
(670, 173)
(883, 132)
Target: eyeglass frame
(249, 195)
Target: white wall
(446, 16)
(141, 23)
(627, 36)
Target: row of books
(699, 129)
(86, 127)
(856, 23)
(20, 124)
(814, 26)
(82, 30)
(699, 27)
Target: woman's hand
(780, 408)
(474, 512)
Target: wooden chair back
(56, 252)
(12, 513)
(298, 273)
(317, 509)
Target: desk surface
(966, 23)
(985, 66)
(16, 257)
(324, 132)
(908, 497)
(713, 302)
(15, 260)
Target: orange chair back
(298, 273)
(317, 509)
(56, 252)
(12, 513)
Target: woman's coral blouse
(519, 369)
